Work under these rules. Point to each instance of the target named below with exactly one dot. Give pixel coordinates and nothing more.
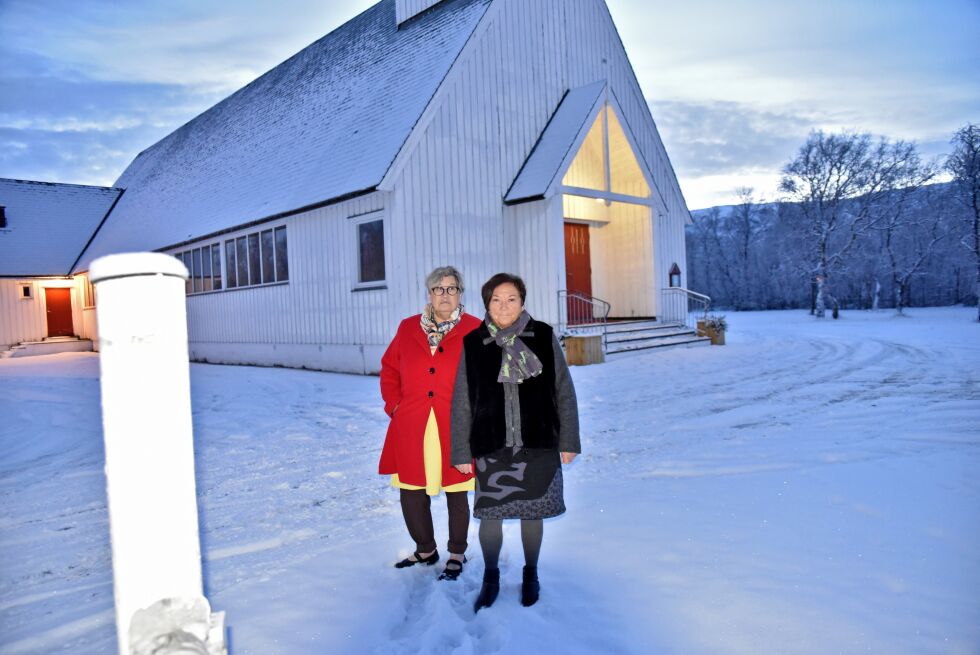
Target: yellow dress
(432, 459)
(432, 454)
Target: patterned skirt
(514, 483)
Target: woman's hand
(465, 469)
(566, 458)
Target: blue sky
(734, 86)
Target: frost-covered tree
(910, 222)
(964, 164)
(909, 235)
(836, 181)
(747, 223)
(711, 257)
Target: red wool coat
(415, 381)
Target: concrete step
(48, 347)
(617, 327)
(632, 326)
(649, 334)
(681, 341)
(624, 337)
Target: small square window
(26, 291)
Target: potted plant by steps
(714, 328)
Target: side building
(43, 228)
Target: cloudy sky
(735, 85)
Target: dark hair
(496, 281)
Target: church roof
(555, 144)
(324, 125)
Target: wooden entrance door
(58, 302)
(578, 272)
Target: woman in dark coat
(515, 422)
(417, 375)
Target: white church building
(493, 135)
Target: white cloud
(736, 86)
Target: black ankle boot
(489, 591)
(531, 586)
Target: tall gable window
(369, 229)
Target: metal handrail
(577, 308)
(699, 300)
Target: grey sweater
(461, 418)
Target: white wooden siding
(536, 229)
(405, 9)
(316, 310)
(623, 261)
(495, 102)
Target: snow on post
(149, 452)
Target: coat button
(440, 348)
(431, 394)
(432, 371)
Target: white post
(149, 450)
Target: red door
(578, 272)
(59, 312)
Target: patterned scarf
(435, 330)
(518, 362)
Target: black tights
(418, 519)
(492, 538)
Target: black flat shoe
(453, 568)
(418, 559)
(489, 591)
(531, 587)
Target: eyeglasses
(438, 291)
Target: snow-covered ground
(811, 487)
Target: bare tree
(836, 180)
(747, 221)
(714, 239)
(909, 237)
(964, 164)
(828, 170)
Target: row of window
(250, 260)
(262, 258)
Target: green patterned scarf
(518, 362)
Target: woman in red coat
(418, 372)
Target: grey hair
(435, 277)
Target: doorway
(578, 273)
(58, 303)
